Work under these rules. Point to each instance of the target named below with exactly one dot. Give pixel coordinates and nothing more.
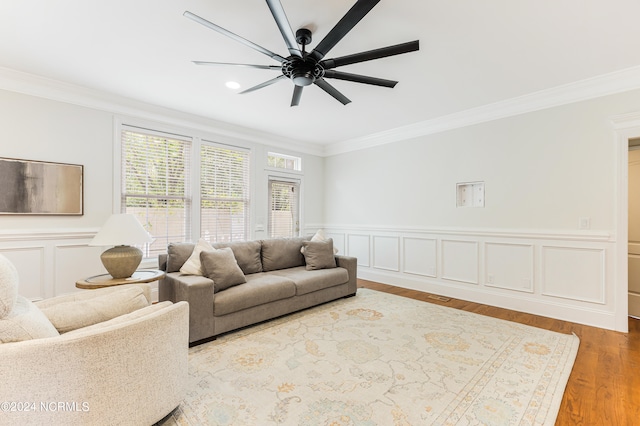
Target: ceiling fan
(305, 68)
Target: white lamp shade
(121, 229)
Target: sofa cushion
(193, 265)
(177, 255)
(247, 254)
(259, 289)
(8, 286)
(69, 316)
(221, 267)
(310, 281)
(282, 253)
(319, 254)
(25, 322)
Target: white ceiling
(472, 53)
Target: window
(224, 193)
(155, 185)
(284, 201)
(283, 161)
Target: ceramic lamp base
(121, 261)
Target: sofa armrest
(351, 265)
(198, 292)
(92, 369)
(162, 261)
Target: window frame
(281, 179)
(247, 199)
(197, 139)
(296, 158)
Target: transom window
(283, 161)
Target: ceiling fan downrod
(303, 71)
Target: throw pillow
(221, 267)
(8, 286)
(319, 254)
(193, 266)
(25, 322)
(69, 316)
(177, 254)
(319, 236)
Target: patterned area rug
(379, 359)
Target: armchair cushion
(122, 319)
(71, 315)
(25, 322)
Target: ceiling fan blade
(322, 83)
(359, 78)
(348, 21)
(262, 67)
(285, 28)
(233, 36)
(265, 84)
(369, 55)
(297, 94)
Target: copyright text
(49, 406)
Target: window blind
(224, 193)
(283, 209)
(156, 185)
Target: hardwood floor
(604, 386)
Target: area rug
(379, 359)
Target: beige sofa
(280, 279)
(131, 369)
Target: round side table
(105, 280)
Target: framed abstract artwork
(40, 188)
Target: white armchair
(128, 370)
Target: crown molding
(603, 85)
(34, 85)
(595, 87)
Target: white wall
(394, 207)
(51, 252)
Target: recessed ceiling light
(232, 85)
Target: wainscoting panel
(338, 242)
(29, 261)
(565, 275)
(386, 253)
(360, 247)
(68, 270)
(49, 262)
(460, 261)
(586, 283)
(509, 266)
(420, 256)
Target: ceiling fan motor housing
(303, 72)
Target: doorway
(284, 208)
(634, 228)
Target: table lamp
(120, 230)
